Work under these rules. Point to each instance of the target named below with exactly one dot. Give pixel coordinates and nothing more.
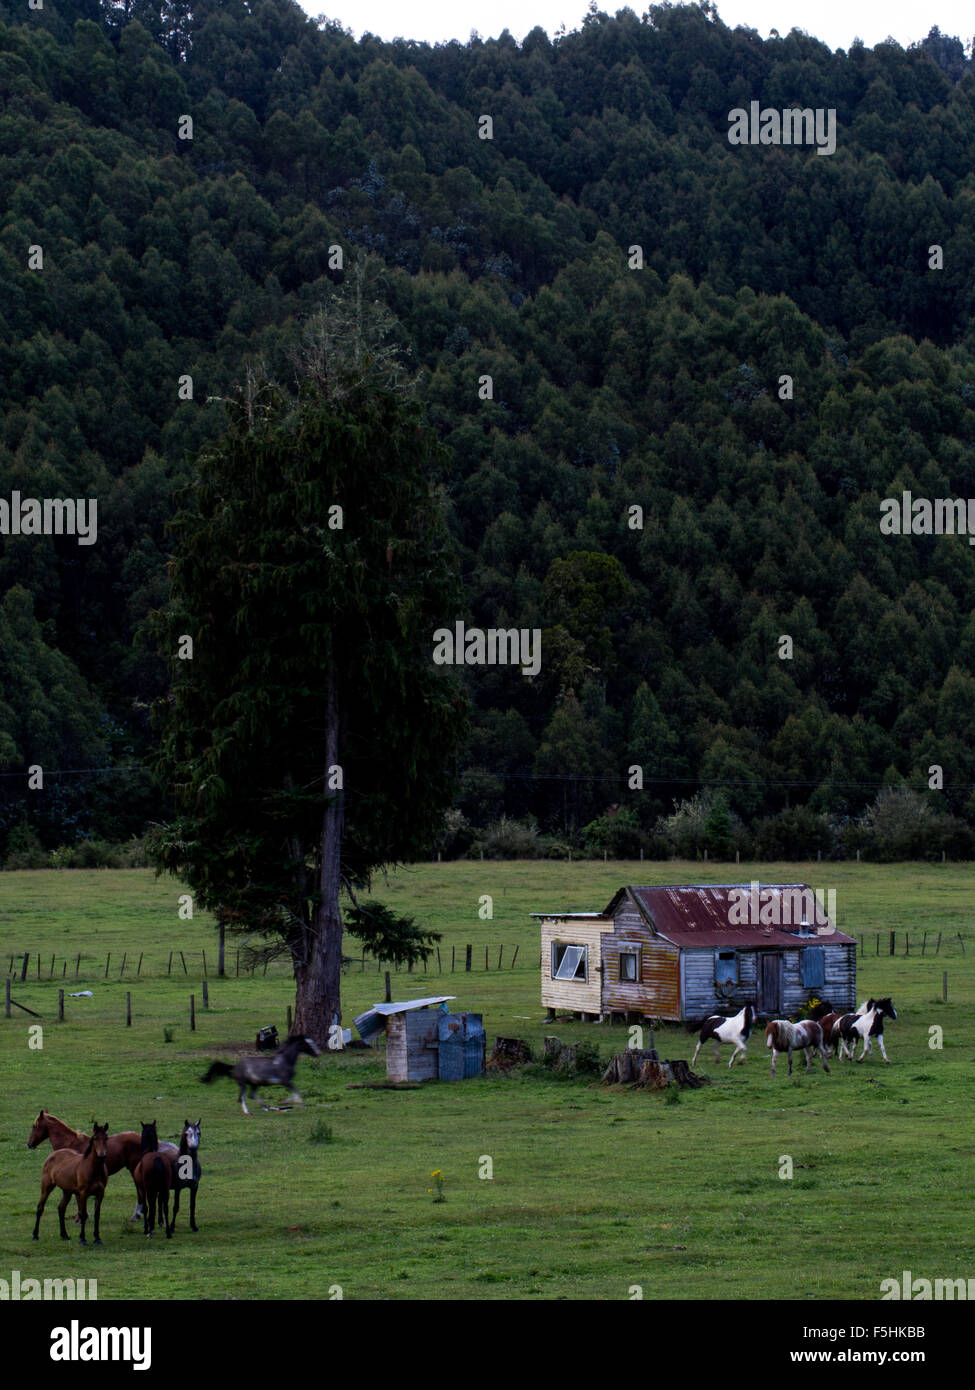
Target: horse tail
(217, 1069)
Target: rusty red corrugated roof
(700, 915)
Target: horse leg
(140, 1198)
(243, 1107)
(45, 1193)
(883, 1050)
(176, 1191)
(790, 1061)
(808, 1052)
(193, 1225)
(98, 1215)
(773, 1060)
(294, 1096)
(734, 1054)
(83, 1215)
(62, 1208)
(694, 1058)
(863, 1050)
(825, 1059)
(164, 1212)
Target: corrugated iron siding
(657, 991)
(701, 998)
(408, 1058)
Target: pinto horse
(783, 1036)
(730, 1030)
(186, 1170)
(251, 1072)
(124, 1148)
(866, 1023)
(79, 1175)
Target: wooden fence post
(23, 970)
(944, 986)
(961, 943)
(238, 964)
(38, 965)
(500, 954)
(486, 967)
(469, 951)
(204, 964)
(907, 944)
(924, 942)
(128, 1009)
(220, 954)
(206, 995)
(51, 975)
(6, 997)
(122, 971)
(514, 958)
(77, 965)
(108, 959)
(389, 995)
(453, 952)
(60, 1006)
(183, 959)
(289, 1020)
(192, 1014)
(439, 965)
(938, 947)
(139, 969)
(169, 967)
(892, 943)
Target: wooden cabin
(687, 951)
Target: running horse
(124, 1148)
(734, 1030)
(251, 1072)
(80, 1176)
(783, 1036)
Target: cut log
(655, 1075)
(509, 1052)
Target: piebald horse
(866, 1023)
(251, 1072)
(783, 1036)
(730, 1030)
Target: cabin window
(630, 966)
(569, 962)
(726, 967)
(813, 967)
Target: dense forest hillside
(616, 386)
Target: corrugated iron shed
(374, 1019)
(699, 915)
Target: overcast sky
(836, 22)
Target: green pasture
(594, 1190)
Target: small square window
(629, 967)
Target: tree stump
(509, 1052)
(683, 1075)
(624, 1068)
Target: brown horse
(154, 1177)
(82, 1175)
(783, 1036)
(124, 1148)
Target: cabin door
(769, 999)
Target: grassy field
(594, 1190)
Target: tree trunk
(318, 977)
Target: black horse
(278, 1070)
(187, 1170)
